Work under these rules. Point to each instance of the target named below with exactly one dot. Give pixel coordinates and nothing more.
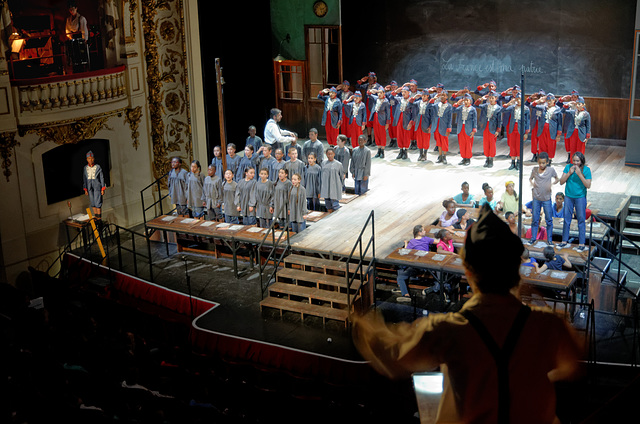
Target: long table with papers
(231, 235)
(443, 266)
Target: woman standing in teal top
(577, 176)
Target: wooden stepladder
(96, 233)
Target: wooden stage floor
(403, 193)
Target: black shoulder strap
(502, 355)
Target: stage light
(279, 57)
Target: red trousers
(344, 128)
(393, 130)
(441, 141)
(423, 138)
(547, 142)
(575, 145)
(535, 146)
(355, 131)
(332, 133)
(488, 142)
(513, 140)
(366, 108)
(404, 136)
(466, 144)
(379, 132)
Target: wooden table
(80, 226)
(445, 267)
(231, 235)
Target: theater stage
(402, 194)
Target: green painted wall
(290, 17)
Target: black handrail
(590, 320)
(613, 255)
(158, 186)
(359, 268)
(272, 253)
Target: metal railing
(362, 253)
(273, 256)
(157, 184)
(616, 254)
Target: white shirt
(273, 133)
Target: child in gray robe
(314, 183)
(212, 190)
(231, 213)
(297, 205)
(264, 195)
(178, 186)
(195, 194)
(332, 178)
(281, 197)
(245, 197)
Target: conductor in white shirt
(273, 134)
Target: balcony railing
(35, 99)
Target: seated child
(528, 260)
(488, 197)
(420, 241)
(464, 198)
(449, 216)
(553, 261)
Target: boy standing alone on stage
(361, 166)
(93, 184)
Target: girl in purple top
(419, 242)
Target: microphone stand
(188, 278)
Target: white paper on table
(223, 225)
(255, 230)
(315, 214)
(187, 221)
(236, 227)
(168, 218)
(207, 223)
(80, 217)
(460, 233)
(421, 253)
(434, 230)
(404, 251)
(439, 257)
(559, 275)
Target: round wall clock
(320, 8)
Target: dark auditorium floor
(222, 391)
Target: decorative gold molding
(133, 6)
(8, 143)
(71, 133)
(166, 68)
(133, 117)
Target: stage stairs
(631, 227)
(314, 286)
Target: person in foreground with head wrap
(499, 358)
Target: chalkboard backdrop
(586, 45)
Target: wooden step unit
(313, 286)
